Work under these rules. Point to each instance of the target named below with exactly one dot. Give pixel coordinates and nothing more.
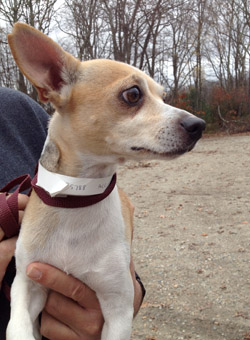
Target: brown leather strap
(9, 206)
(9, 218)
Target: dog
(106, 112)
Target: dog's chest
(84, 240)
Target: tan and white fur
(106, 113)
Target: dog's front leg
(117, 309)
(27, 301)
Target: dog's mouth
(176, 152)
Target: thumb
(55, 279)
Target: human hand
(72, 310)
(7, 247)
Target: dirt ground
(192, 242)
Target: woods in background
(198, 49)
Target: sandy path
(192, 242)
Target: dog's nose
(194, 126)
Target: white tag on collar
(60, 185)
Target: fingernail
(34, 274)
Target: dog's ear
(43, 62)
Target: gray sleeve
(23, 129)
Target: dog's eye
(132, 96)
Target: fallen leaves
(241, 315)
(223, 287)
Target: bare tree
(200, 19)
(229, 43)
(125, 30)
(85, 26)
(11, 11)
(8, 68)
(180, 42)
(154, 23)
(125, 24)
(37, 13)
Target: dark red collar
(72, 201)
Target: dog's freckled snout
(194, 126)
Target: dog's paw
(17, 333)
(18, 336)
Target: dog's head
(103, 107)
